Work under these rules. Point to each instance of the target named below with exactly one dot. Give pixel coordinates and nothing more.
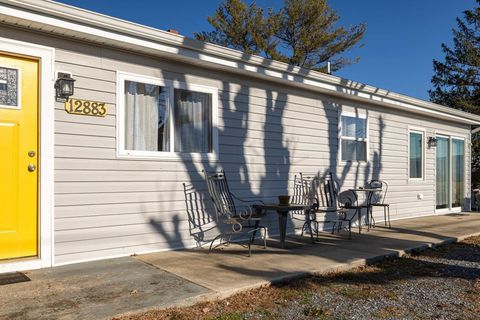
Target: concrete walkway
(107, 288)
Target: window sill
(168, 156)
(344, 162)
(416, 181)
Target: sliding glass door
(443, 173)
(458, 173)
(450, 173)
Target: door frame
(451, 136)
(46, 102)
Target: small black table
(282, 211)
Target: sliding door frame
(450, 138)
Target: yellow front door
(18, 157)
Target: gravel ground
(441, 283)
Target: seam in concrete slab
(175, 275)
(339, 267)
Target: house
(101, 174)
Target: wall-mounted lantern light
(432, 142)
(64, 86)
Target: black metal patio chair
(322, 195)
(202, 223)
(348, 201)
(377, 199)
(302, 195)
(236, 217)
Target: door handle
(31, 167)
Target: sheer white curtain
(353, 128)
(146, 117)
(192, 121)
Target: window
(146, 117)
(415, 154)
(354, 138)
(193, 121)
(9, 87)
(157, 118)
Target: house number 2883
(85, 107)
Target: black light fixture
(64, 86)
(432, 141)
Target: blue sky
(402, 38)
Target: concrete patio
(107, 288)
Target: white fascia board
(146, 39)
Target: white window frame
(170, 86)
(341, 137)
(424, 154)
(19, 89)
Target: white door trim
(46, 56)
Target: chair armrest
(236, 225)
(246, 213)
(256, 201)
(328, 209)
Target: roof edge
(138, 31)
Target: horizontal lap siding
(106, 206)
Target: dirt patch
(440, 283)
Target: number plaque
(86, 107)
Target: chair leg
(367, 217)
(349, 229)
(250, 248)
(389, 224)
(333, 228)
(359, 213)
(385, 215)
(264, 238)
(310, 229)
(228, 241)
(372, 219)
(316, 228)
(213, 241)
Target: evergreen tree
(308, 31)
(456, 82)
(242, 27)
(302, 33)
